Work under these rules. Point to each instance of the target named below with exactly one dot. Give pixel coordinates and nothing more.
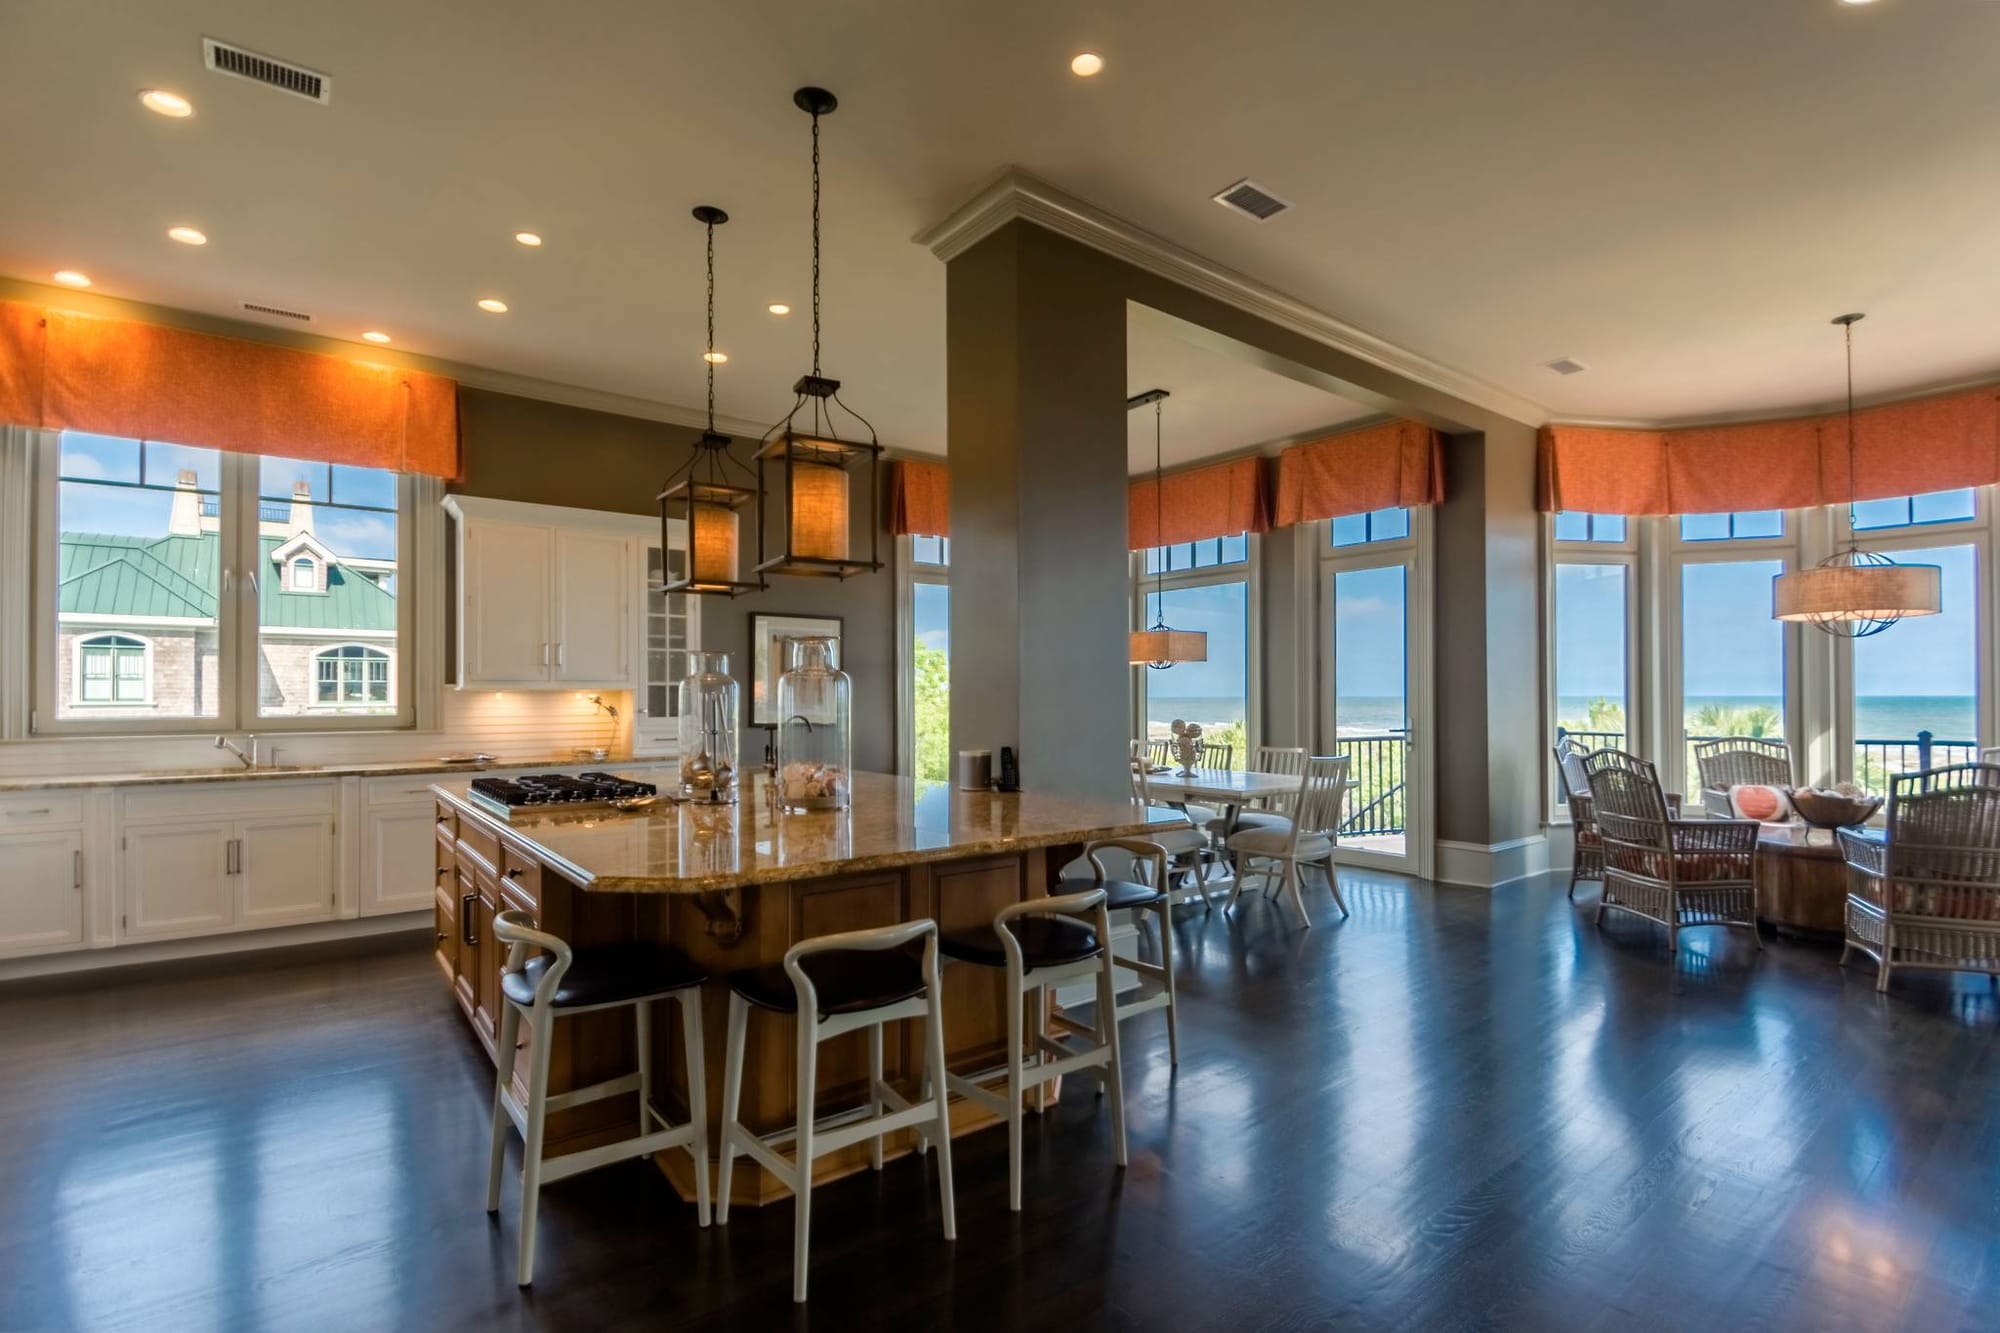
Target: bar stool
(558, 982)
(835, 984)
(1140, 895)
(1042, 943)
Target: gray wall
(547, 453)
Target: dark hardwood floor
(1456, 1109)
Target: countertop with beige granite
(380, 769)
(674, 848)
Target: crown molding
(470, 376)
(1019, 195)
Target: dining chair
(1307, 839)
(1185, 850)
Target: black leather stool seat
(846, 981)
(606, 974)
(1119, 894)
(1046, 941)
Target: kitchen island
(734, 886)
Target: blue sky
(931, 607)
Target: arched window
(351, 676)
(305, 574)
(113, 669)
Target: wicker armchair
(1587, 860)
(1678, 873)
(1928, 894)
(1732, 761)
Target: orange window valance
(64, 371)
(1394, 465)
(919, 498)
(1219, 500)
(1927, 444)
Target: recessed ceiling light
(166, 103)
(780, 308)
(1084, 64)
(493, 306)
(69, 277)
(715, 358)
(1857, 2)
(1566, 365)
(188, 235)
(527, 238)
(375, 336)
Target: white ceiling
(1678, 194)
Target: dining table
(1229, 789)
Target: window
(1732, 653)
(1579, 527)
(182, 588)
(1380, 525)
(352, 675)
(1753, 523)
(1592, 668)
(924, 659)
(112, 669)
(1207, 587)
(1913, 510)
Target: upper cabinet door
(508, 582)
(593, 609)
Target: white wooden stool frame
(1163, 913)
(1051, 1059)
(524, 941)
(929, 1116)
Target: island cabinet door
(465, 955)
(444, 908)
(488, 954)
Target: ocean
(1880, 717)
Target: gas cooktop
(538, 791)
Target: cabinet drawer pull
(441, 872)
(23, 814)
(466, 916)
(514, 873)
(76, 869)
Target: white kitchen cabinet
(593, 608)
(41, 891)
(397, 864)
(507, 589)
(546, 595)
(284, 870)
(175, 880)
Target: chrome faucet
(248, 760)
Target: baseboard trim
(1492, 865)
(210, 946)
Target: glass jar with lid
(815, 728)
(709, 707)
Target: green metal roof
(175, 576)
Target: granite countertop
(381, 769)
(674, 848)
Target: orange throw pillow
(1764, 804)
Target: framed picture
(768, 635)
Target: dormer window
(305, 574)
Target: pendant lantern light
(815, 466)
(1160, 646)
(701, 494)
(1856, 592)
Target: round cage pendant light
(1856, 592)
(817, 468)
(701, 494)
(1160, 646)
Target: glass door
(1372, 699)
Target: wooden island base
(484, 866)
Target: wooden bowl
(1831, 810)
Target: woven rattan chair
(1679, 873)
(1587, 860)
(1732, 761)
(1928, 895)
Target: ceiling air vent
(1253, 200)
(278, 311)
(1567, 365)
(280, 74)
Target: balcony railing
(1379, 804)
(1876, 759)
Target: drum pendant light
(804, 455)
(1159, 646)
(701, 494)
(1856, 592)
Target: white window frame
(909, 573)
(89, 638)
(418, 678)
(661, 735)
(1247, 571)
(339, 703)
(313, 584)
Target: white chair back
(1322, 794)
